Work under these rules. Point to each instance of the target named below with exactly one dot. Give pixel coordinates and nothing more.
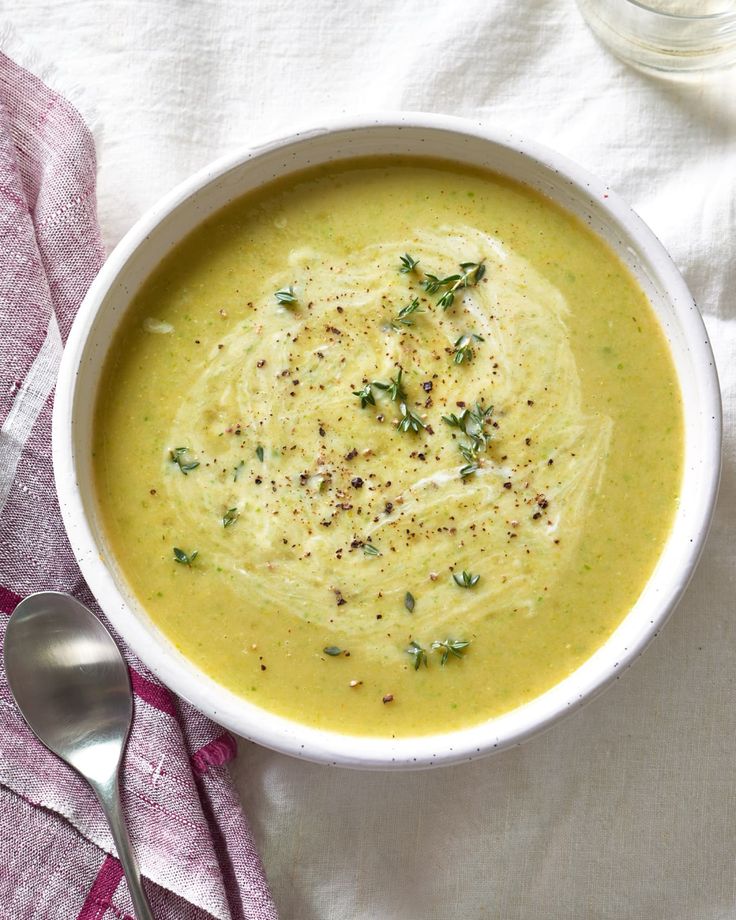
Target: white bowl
(410, 133)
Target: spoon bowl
(72, 686)
(70, 682)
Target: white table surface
(628, 809)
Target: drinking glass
(674, 36)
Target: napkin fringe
(25, 56)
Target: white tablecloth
(628, 809)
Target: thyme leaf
(365, 396)
(432, 283)
(447, 299)
(179, 456)
(185, 558)
(286, 295)
(472, 273)
(471, 422)
(464, 351)
(418, 654)
(370, 550)
(449, 647)
(410, 421)
(469, 452)
(402, 318)
(230, 517)
(480, 414)
(259, 453)
(332, 650)
(456, 421)
(394, 387)
(408, 264)
(409, 601)
(465, 579)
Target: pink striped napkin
(191, 838)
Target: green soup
(379, 495)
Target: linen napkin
(56, 854)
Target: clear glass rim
(684, 17)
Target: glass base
(665, 42)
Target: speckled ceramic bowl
(466, 142)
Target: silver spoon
(72, 687)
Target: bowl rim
(324, 746)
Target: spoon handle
(109, 797)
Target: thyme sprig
(447, 647)
(403, 317)
(432, 283)
(465, 579)
(230, 517)
(472, 423)
(286, 295)
(464, 351)
(408, 264)
(410, 421)
(179, 456)
(185, 558)
(456, 421)
(480, 414)
(394, 388)
(365, 396)
(418, 655)
(472, 273)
